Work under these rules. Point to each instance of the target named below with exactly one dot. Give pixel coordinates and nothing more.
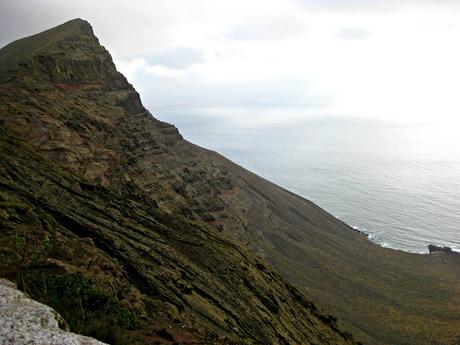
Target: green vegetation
(30, 242)
(86, 309)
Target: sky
(273, 61)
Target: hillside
(61, 94)
(128, 273)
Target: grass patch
(87, 310)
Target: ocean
(398, 183)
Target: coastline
(431, 247)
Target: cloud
(362, 58)
(276, 27)
(130, 68)
(162, 71)
(176, 57)
(352, 33)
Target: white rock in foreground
(25, 321)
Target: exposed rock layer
(183, 281)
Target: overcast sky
(273, 60)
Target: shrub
(86, 309)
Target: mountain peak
(68, 53)
(72, 26)
(75, 29)
(76, 24)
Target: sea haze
(400, 183)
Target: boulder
(25, 321)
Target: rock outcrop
(25, 321)
(432, 248)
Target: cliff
(61, 94)
(125, 272)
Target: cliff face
(61, 94)
(126, 272)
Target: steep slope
(61, 93)
(170, 279)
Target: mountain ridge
(87, 118)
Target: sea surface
(399, 183)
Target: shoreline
(431, 248)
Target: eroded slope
(169, 279)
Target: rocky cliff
(125, 272)
(61, 94)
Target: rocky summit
(136, 235)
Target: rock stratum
(104, 202)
